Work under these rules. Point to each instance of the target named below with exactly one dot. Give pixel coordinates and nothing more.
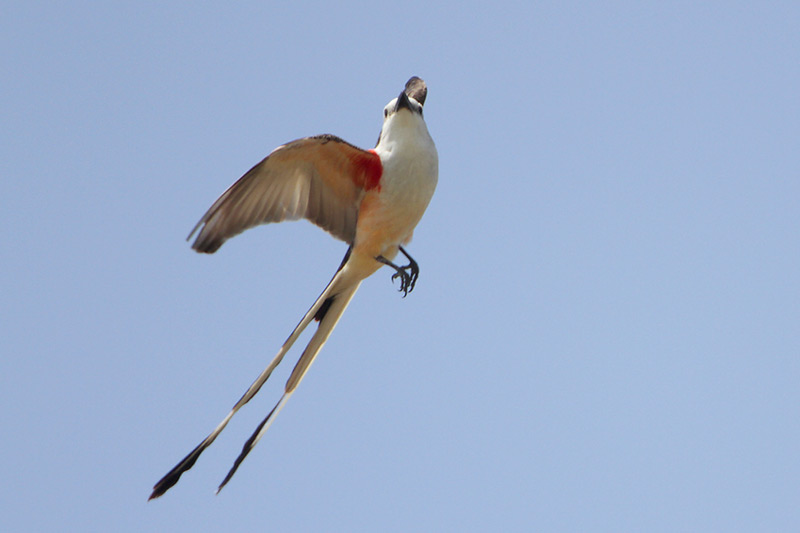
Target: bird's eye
(386, 112)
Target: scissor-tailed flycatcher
(371, 199)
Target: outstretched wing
(321, 178)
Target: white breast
(410, 169)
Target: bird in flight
(371, 199)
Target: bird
(370, 199)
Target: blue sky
(604, 335)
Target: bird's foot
(408, 277)
(408, 274)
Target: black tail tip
(161, 487)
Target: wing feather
(321, 178)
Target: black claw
(407, 281)
(408, 274)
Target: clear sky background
(605, 335)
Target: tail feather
(327, 323)
(251, 442)
(319, 311)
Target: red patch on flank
(368, 170)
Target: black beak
(402, 102)
(416, 89)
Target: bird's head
(404, 113)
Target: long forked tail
(327, 309)
(331, 317)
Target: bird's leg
(412, 266)
(406, 283)
(408, 274)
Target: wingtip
(205, 245)
(194, 229)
